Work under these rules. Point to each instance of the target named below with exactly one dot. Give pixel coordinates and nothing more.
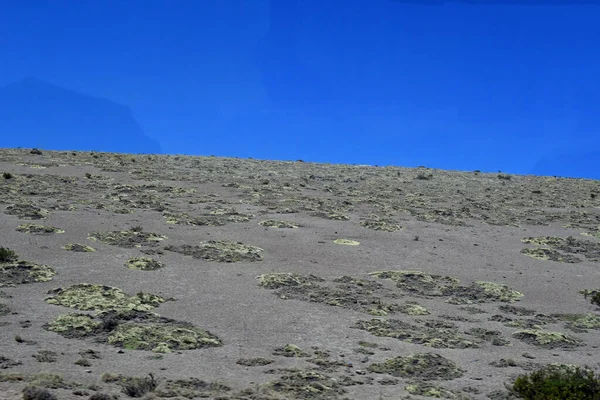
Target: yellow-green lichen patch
(543, 241)
(481, 292)
(494, 337)
(425, 366)
(563, 249)
(85, 296)
(418, 282)
(432, 336)
(38, 229)
(273, 223)
(547, 339)
(74, 325)
(302, 385)
(220, 251)
(550, 254)
(347, 242)
(380, 225)
(190, 389)
(290, 350)
(135, 330)
(421, 283)
(331, 215)
(279, 280)
(435, 391)
(26, 211)
(254, 362)
(580, 322)
(153, 336)
(80, 248)
(127, 239)
(21, 272)
(355, 294)
(413, 308)
(143, 263)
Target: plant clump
(7, 255)
(127, 239)
(22, 272)
(277, 224)
(547, 339)
(79, 248)
(143, 263)
(431, 335)
(38, 229)
(134, 330)
(290, 350)
(191, 388)
(558, 382)
(26, 211)
(85, 296)
(220, 251)
(424, 366)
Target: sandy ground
(233, 307)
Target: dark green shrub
(138, 387)
(7, 175)
(7, 255)
(37, 393)
(558, 382)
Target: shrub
(137, 387)
(558, 382)
(37, 393)
(7, 255)
(7, 175)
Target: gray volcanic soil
(243, 279)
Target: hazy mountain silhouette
(34, 113)
(573, 164)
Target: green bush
(7, 255)
(558, 382)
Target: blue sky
(453, 85)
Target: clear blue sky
(458, 85)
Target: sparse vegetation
(37, 393)
(138, 387)
(7, 255)
(558, 382)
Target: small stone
(360, 372)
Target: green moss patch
(290, 350)
(425, 366)
(417, 282)
(435, 391)
(134, 330)
(85, 296)
(547, 339)
(580, 322)
(254, 362)
(79, 248)
(380, 225)
(21, 272)
(277, 224)
(441, 336)
(74, 325)
(26, 211)
(304, 385)
(550, 254)
(144, 264)
(161, 338)
(38, 229)
(127, 239)
(562, 249)
(421, 283)
(279, 280)
(352, 293)
(220, 251)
